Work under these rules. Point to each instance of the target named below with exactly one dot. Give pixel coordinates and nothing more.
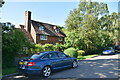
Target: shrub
(80, 52)
(71, 52)
(59, 47)
(48, 47)
(12, 43)
(38, 48)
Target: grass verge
(87, 56)
(9, 71)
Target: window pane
(53, 55)
(43, 37)
(61, 55)
(41, 28)
(46, 56)
(35, 56)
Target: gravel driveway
(105, 66)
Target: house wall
(33, 33)
(50, 40)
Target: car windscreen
(109, 48)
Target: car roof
(109, 48)
(49, 52)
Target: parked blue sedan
(45, 63)
(108, 50)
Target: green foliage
(8, 71)
(71, 52)
(86, 11)
(59, 47)
(85, 31)
(48, 47)
(80, 52)
(38, 48)
(13, 40)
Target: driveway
(105, 66)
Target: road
(105, 66)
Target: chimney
(27, 21)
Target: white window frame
(43, 37)
(41, 28)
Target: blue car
(45, 63)
(108, 50)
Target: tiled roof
(48, 29)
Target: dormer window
(56, 30)
(41, 28)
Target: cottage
(40, 32)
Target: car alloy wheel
(75, 64)
(46, 71)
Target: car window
(46, 56)
(61, 55)
(108, 48)
(35, 56)
(53, 56)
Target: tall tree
(110, 23)
(84, 22)
(85, 11)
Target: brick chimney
(27, 21)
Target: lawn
(9, 71)
(87, 56)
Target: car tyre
(74, 64)
(46, 71)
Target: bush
(48, 47)
(13, 42)
(80, 52)
(71, 52)
(59, 47)
(38, 48)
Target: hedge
(71, 52)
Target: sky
(49, 12)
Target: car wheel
(74, 64)
(46, 72)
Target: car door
(55, 61)
(65, 60)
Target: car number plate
(21, 63)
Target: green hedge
(71, 52)
(59, 47)
(81, 52)
(47, 47)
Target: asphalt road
(105, 66)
